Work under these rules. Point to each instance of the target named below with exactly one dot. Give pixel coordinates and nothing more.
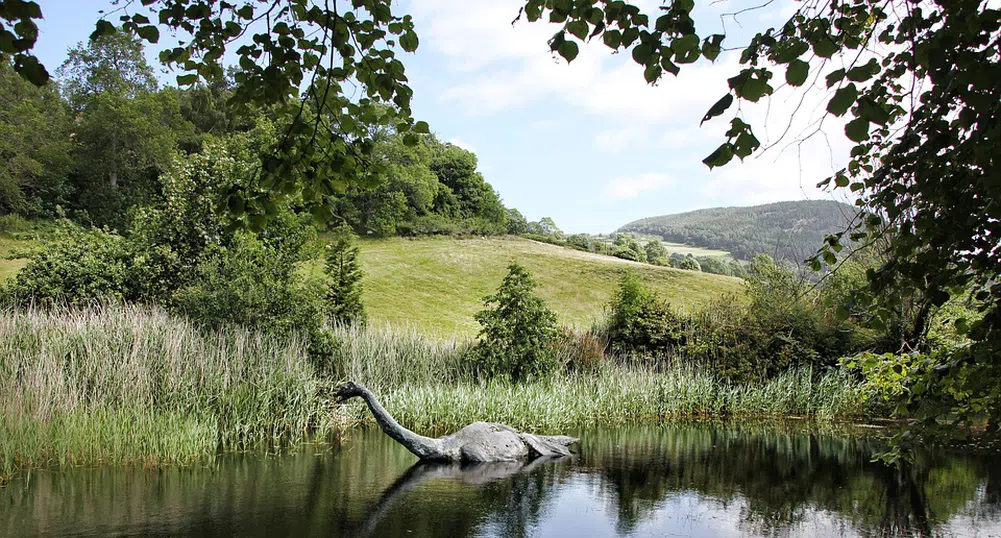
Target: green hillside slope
(791, 231)
(438, 284)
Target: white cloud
(624, 188)
(457, 141)
(493, 67)
(618, 139)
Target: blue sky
(589, 144)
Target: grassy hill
(438, 284)
(791, 231)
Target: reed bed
(619, 395)
(133, 384)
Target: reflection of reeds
(129, 384)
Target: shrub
(12, 200)
(626, 254)
(82, 266)
(579, 352)
(517, 331)
(12, 224)
(885, 377)
(247, 284)
(640, 322)
(689, 264)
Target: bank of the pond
(132, 385)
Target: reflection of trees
(370, 487)
(772, 478)
(780, 476)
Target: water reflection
(655, 480)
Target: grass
(17, 238)
(437, 284)
(694, 251)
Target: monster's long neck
(424, 448)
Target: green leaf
(825, 47)
(421, 127)
(797, 72)
(409, 41)
(568, 50)
(753, 88)
(642, 53)
(186, 79)
(843, 99)
(149, 33)
(745, 144)
(720, 157)
(411, 139)
(720, 107)
(791, 52)
(612, 38)
(577, 28)
(685, 45)
(652, 73)
(857, 130)
(236, 205)
(101, 29)
(863, 73)
(835, 77)
(29, 68)
(711, 47)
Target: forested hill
(791, 231)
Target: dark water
(655, 480)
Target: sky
(589, 144)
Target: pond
(648, 480)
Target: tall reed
(618, 395)
(427, 385)
(127, 383)
(385, 358)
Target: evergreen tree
(344, 291)
(517, 330)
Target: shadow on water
(651, 480)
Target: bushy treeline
(94, 145)
(179, 252)
(432, 188)
(625, 246)
(788, 231)
(784, 323)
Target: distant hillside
(791, 231)
(437, 284)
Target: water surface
(652, 480)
